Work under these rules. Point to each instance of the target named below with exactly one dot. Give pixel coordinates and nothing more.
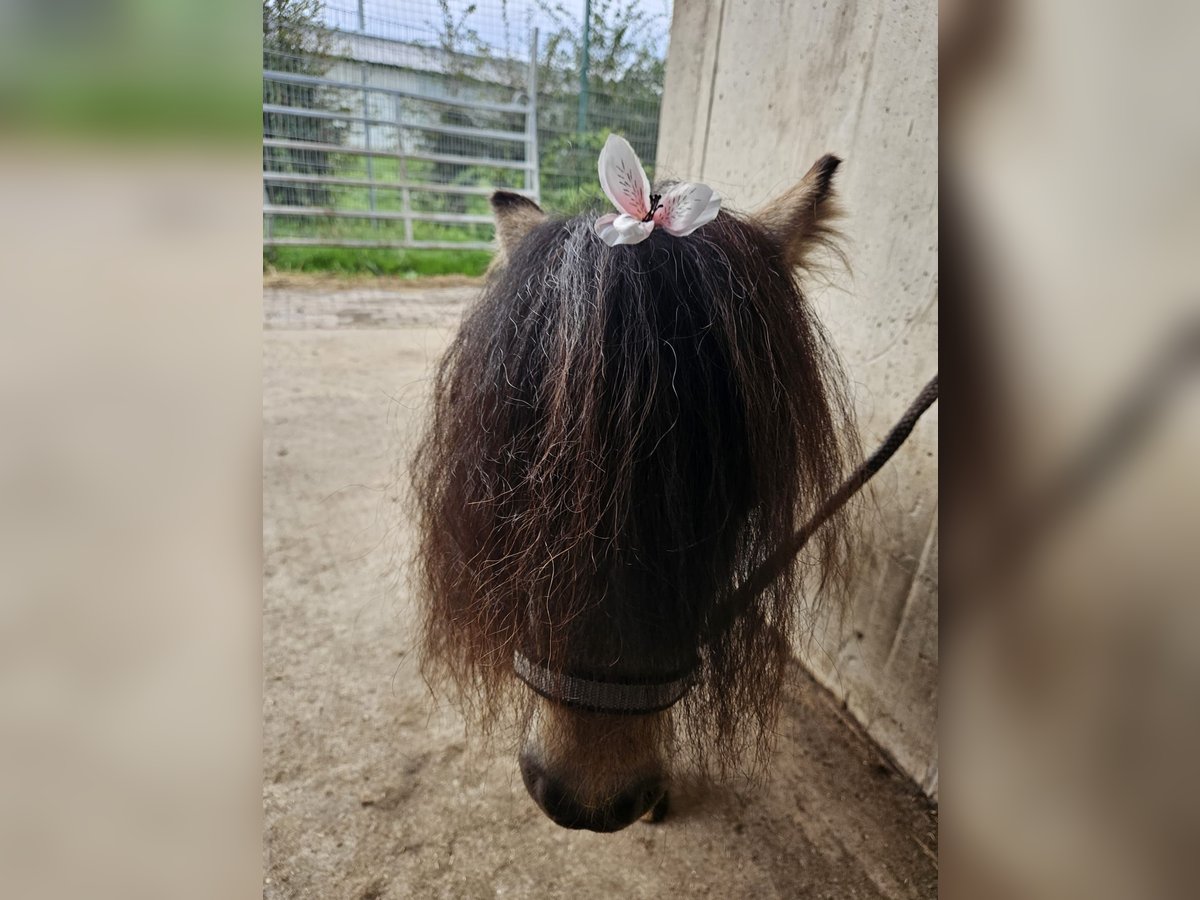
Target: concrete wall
(756, 90)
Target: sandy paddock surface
(371, 791)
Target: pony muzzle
(564, 806)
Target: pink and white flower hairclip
(680, 211)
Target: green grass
(384, 261)
(377, 261)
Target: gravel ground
(373, 791)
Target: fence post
(366, 103)
(532, 179)
(584, 63)
(405, 193)
(270, 219)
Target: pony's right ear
(800, 220)
(516, 216)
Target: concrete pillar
(756, 90)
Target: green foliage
(471, 68)
(625, 83)
(569, 182)
(294, 40)
(293, 28)
(622, 59)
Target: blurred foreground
(1071, 621)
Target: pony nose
(562, 804)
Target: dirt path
(372, 792)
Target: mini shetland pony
(619, 436)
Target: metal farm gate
(386, 143)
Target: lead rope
(638, 699)
(775, 564)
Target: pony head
(618, 436)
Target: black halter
(625, 698)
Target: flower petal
(623, 178)
(604, 228)
(622, 229)
(686, 207)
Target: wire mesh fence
(387, 124)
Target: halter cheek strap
(595, 695)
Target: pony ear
(515, 217)
(800, 219)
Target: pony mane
(618, 437)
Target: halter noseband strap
(595, 695)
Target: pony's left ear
(800, 220)
(516, 216)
